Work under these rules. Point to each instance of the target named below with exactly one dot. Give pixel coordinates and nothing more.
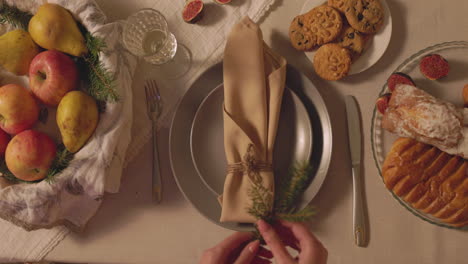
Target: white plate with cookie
(375, 46)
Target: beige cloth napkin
(254, 79)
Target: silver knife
(354, 135)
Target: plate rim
(305, 8)
(376, 135)
(312, 94)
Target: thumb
(274, 242)
(248, 253)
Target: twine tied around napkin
(254, 78)
(251, 166)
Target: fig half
(382, 102)
(399, 78)
(193, 11)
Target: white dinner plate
(293, 141)
(376, 46)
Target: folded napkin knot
(250, 165)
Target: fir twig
(291, 187)
(300, 216)
(288, 192)
(101, 82)
(61, 161)
(14, 16)
(261, 202)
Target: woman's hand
(234, 249)
(298, 237)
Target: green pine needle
(288, 192)
(14, 16)
(61, 162)
(291, 187)
(102, 85)
(261, 202)
(300, 216)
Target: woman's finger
(305, 238)
(264, 253)
(258, 260)
(286, 236)
(234, 241)
(248, 253)
(274, 242)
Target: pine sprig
(288, 192)
(291, 187)
(300, 216)
(61, 161)
(102, 85)
(14, 16)
(261, 202)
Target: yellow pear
(53, 27)
(77, 118)
(17, 50)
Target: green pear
(77, 118)
(17, 49)
(54, 28)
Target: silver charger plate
(196, 145)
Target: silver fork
(154, 108)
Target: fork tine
(157, 89)
(151, 89)
(149, 99)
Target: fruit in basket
(30, 154)
(18, 109)
(399, 78)
(223, 2)
(53, 27)
(52, 74)
(17, 49)
(193, 11)
(77, 118)
(434, 66)
(4, 139)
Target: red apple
(30, 154)
(52, 74)
(18, 109)
(4, 139)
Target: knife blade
(354, 135)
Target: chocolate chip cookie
(332, 62)
(340, 5)
(318, 26)
(366, 16)
(300, 34)
(353, 40)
